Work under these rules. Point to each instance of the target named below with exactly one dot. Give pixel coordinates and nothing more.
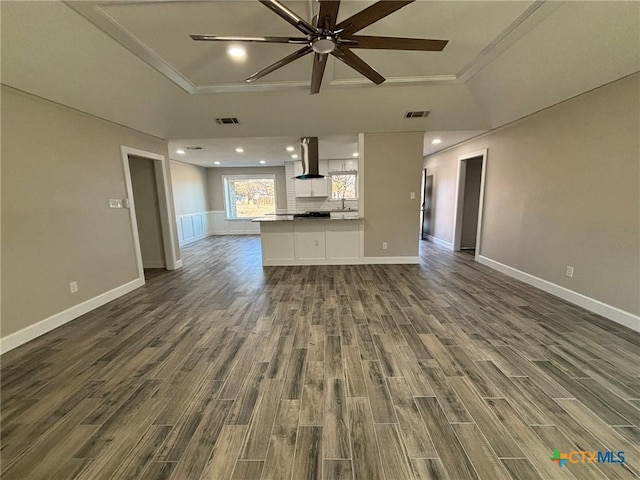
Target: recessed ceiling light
(355, 154)
(294, 156)
(180, 151)
(436, 141)
(262, 162)
(216, 163)
(290, 148)
(237, 52)
(239, 150)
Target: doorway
(147, 207)
(148, 196)
(469, 202)
(427, 193)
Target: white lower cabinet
(342, 241)
(277, 243)
(309, 241)
(315, 242)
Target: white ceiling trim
(94, 12)
(111, 27)
(522, 25)
(340, 83)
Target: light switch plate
(115, 203)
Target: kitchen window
(344, 185)
(247, 196)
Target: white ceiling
(132, 63)
(273, 150)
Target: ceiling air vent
(419, 114)
(194, 148)
(227, 121)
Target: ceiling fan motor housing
(324, 45)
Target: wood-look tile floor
(226, 370)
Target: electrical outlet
(384, 245)
(412, 195)
(569, 271)
(73, 287)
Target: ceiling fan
(330, 38)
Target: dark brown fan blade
(397, 43)
(371, 15)
(298, 22)
(328, 14)
(319, 62)
(217, 38)
(355, 62)
(280, 63)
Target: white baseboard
(615, 314)
(442, 243)
(153, 264)
(217, 234)
(344, 261)
(389, 260)
(178, 264)
(195, 239)
(33, 331)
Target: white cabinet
(278, 246)
(311, 242)
(309, 239)
(342, 241)
(344, 215)
(351, 165)
(316, 187)
(348, 165)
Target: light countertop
(290, 218)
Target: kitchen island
(292, 240)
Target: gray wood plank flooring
(228, 370)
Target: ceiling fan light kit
(328, 37)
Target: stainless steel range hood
(310, 158)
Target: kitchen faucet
(343, 208)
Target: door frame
(460, 184)
(162, 188)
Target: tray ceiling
(158, 33)
(133, 64)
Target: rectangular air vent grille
(227, 121)
(194, 148)
(417, 114)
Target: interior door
(426, 204)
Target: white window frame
(346, 172)
(225, 191)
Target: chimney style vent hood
(309, 159)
